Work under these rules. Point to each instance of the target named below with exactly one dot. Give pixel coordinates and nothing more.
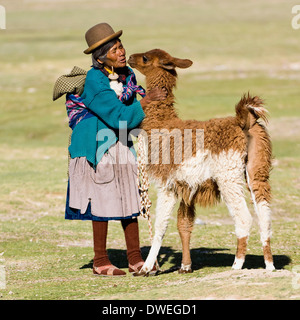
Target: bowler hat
(99, 34)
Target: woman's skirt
(108, 193)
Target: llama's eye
(145, 59)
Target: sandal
(136, 268)
(108, 270)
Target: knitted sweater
(93, 136)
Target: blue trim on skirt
(75, 214)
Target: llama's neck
(161, 110)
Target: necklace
(114, 83)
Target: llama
(236, 149)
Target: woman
(101, 187)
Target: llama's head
(156, 59)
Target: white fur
(259, 110)
(238, 264)
(269, 266)
(227, 169)
(166, 201)
(186, 267)
(264, 217)
(229, 173)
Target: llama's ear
(167, 64)
(171, 64)
(182, 63)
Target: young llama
(235, 149)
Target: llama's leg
(243, 222)
(233, 196)
(258, 171)
(240, 253)
(185, 223)
(264, 218)
(263, 211)
(166, 201)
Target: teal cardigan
(93, 136)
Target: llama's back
(176, 141)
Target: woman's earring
(100, 62)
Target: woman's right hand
(155, 94)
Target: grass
(236, 47)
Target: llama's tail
(259, 147)
(249, 110)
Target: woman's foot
(136, 267)
(108, 270)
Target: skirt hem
(75, 214)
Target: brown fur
(241, 247)
(207, 194)
(185, 223)
(240, 133)
(267, 252)
(259, 162)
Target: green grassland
(236, 46)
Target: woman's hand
(155, 94)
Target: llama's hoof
(185, 269)
(139, 274)
(144, 272)
(269, 266)
(181, 271)
(147, 274)
(238, 264)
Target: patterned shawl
(76, 109)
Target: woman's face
(116, 56)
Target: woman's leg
(131, 231)
(99, 238)
(102, 265)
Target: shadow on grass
(201, 257)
